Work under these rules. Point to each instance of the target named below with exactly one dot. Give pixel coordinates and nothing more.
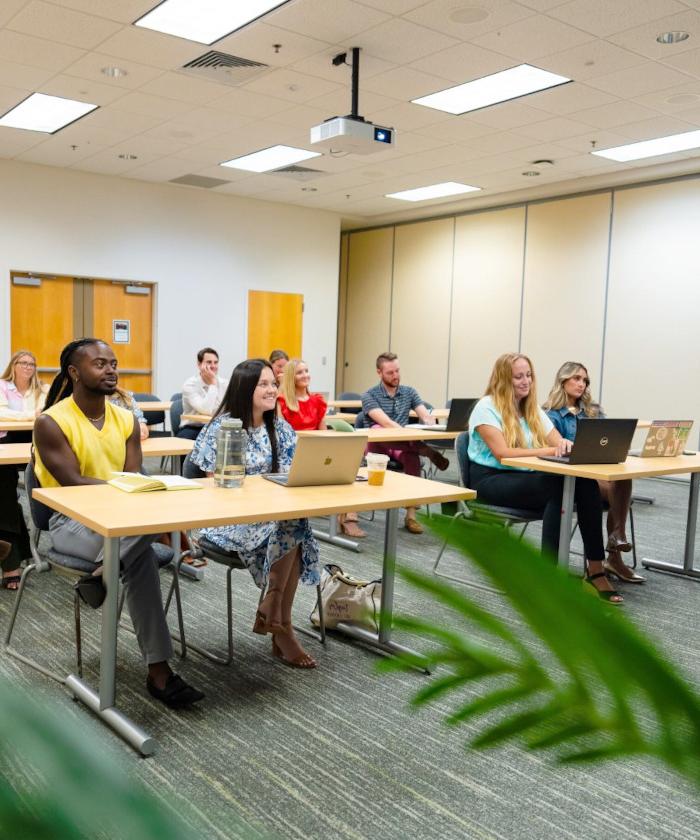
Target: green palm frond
(581, 680)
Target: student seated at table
(508, 423)
(278, 360)
(570, 402)
(125, 399)
(22, 397)
(277, 554)
(388, 404)
(81, 438)
(304, 410)
(202, 392)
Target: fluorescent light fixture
(489, 90)
(434, 191)
(205, 21)
(273, 158)
(40, 112)
(652, 148)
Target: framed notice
(121, 331)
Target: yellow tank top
(100, 452)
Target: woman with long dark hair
(277, 554)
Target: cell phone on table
(360, 478)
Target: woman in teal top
(569, 403)
(508, 423)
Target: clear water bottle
(231, 443)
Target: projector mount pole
(341, 58)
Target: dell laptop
(599, 441)
(323, 459)
(457, 420)
(665, 439)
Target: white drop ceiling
(626, 87)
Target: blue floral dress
(260, 544)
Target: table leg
(686, 570)
(382, 641)
(331, 536)
(103, 703)
(567, 515)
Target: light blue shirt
(485, 413)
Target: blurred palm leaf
(584, 683)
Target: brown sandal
(351, 528)
(304, 660)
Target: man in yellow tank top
(81, 438)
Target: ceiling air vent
(298, 173)
(199, 181)
(223, 68)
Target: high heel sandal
(612, 596)
(631, 577)
(614, 544)
(270, 621)
(304, 660)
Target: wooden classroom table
(154, 406)
(391, 435)
(160, 447)
(440, 413)
(114, 514)
(16, 425)
(199, 419)
(630, 469)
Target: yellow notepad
(138, 483)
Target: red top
(310, 414)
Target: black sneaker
(176, 693)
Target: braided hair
(62, 385)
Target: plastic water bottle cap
(232, 423)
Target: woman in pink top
(305, 411)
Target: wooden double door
(48, 311)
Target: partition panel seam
(450, 310)
(391, 283)
(605, 296)
(522, 282)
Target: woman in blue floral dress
(278, 554)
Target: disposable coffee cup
(376, 468)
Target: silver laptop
(665, 439)
(457, 420)
(323, 459)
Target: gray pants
(139, 574)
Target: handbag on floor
(347, 599)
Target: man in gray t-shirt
(388, 404)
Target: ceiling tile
(106, 162)
(554, 129)
(257, 43)
(614, 114)
(568, 99)
(462, 63)
(405, 83)
(321, 64)
(692, 115)
(251, 104)
(461, 129)
(57, 151)
(674, 99)
(304, 116)
(636, 81)
(338, 103)
(507, 115)
(84, 91)
(603, 140)
(151, 48)
(90, 67)
(137, 102)
(602, 17)
(658, 126)
(185, 88)
(37, 52)
(63, 25)
(23, 76)
(333, 21)
(409, 117)
(687, 62)
(9, 9)
(124, 11)
(392, 7)
(541, 5)
(594, 58)
(14, 141)
(161, 170)
(287, 84)
(642, 39)
(438, 15)
(532, 37)
(401, 41)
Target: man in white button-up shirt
(202, 393)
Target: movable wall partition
(611, 279)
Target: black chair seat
(220, 555)
(511, 513)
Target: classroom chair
(153, 418)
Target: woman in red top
(303, 411)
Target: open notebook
(139, 483)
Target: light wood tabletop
(154, 406)
(157, 447)
(197, 419)
(16, 425)
(392, 435)
(440, 413)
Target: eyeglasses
(26, 364)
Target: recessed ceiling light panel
(672, 37)
(489, 90)
(205, 21)
(41, 112)
(433, 191)
(268, 159)
(652, 148)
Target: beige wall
(610, 279)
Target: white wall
(204, 250)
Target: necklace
(96, 419)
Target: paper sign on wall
(121, 332)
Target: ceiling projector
(352, 134)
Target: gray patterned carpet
(335, 752)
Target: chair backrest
(462, 450)
(153, 418)
(190, 470)
(338, 425)
(349, 395)
(176, 396)
(175, 415)
(360, 420)
(40, 513)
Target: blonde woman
(304, 410)
(569, 403)
(509, 423)
(22, 395)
